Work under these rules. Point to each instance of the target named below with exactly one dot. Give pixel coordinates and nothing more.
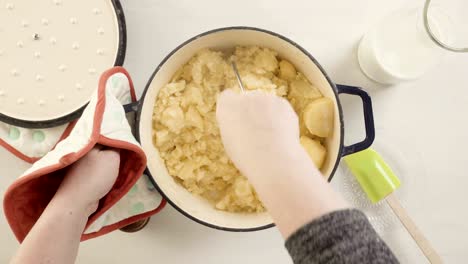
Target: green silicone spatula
(379, 182)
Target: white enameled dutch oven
(197, 208)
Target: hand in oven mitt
(103, 123)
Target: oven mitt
(103, 122)
(32, 144)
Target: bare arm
(56, 235)
(295, 192)
(260, 133)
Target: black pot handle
(368, 119)
(131, 107)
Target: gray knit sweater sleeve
(344, 236)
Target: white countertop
(423, 124)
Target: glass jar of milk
(405, 45)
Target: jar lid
(52, 53)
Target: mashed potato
(185, 128)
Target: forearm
(294, 191)
(310, 215)
(56, 235)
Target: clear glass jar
(406, 44)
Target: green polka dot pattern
(38, 136)
(137, 208)
(14, 133)
(115, 81)
(133, 191)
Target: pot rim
(148, 84)
(119, 60)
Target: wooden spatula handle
(413, 229)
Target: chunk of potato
(173, 118)
(266, 60)
(287, 70)
(318, 117)
(301, 92)
(303, 89)
(193, 118)
(316, 151)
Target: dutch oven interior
(226, 39)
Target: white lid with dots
(52, 53)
